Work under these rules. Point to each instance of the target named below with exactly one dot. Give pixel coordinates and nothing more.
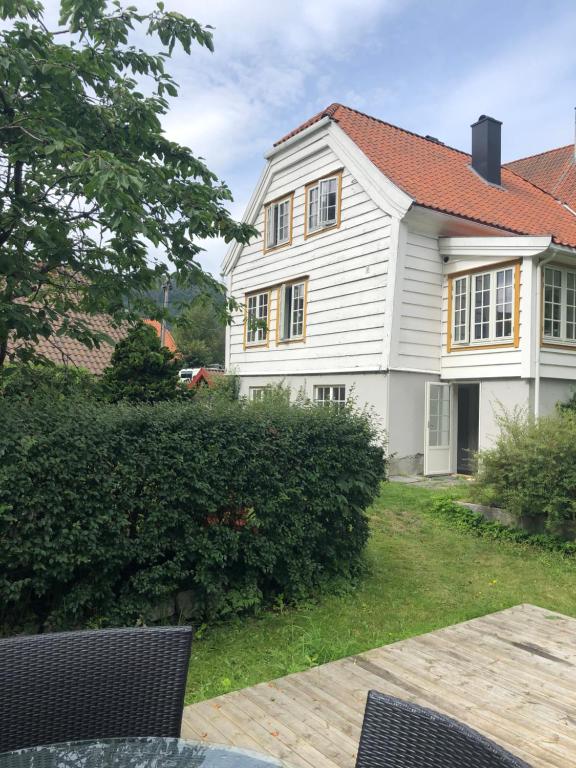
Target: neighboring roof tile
(64, 350)
(439, 177)
(553, 171)
(168, 338)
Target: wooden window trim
(335, 174)
(301, 339)
(567, 346)
(260, 344)
(515, 342)
(280, 199)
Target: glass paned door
(438, 429)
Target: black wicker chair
(94, 684)
(397, 734)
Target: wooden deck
(511, 675)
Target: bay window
(559, 305)
(483, 307)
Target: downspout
(538, 334)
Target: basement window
(330, 394)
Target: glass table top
(148, 752)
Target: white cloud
(529, 86)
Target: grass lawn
(422, 576)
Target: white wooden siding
(347, 272)
(418, 304)
(558, 363)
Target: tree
(200, 333)
(141, 369)
(89, 184)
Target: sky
(431, 66)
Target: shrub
(107, 510)
(46, 380)
(532, 468)
(141, 370)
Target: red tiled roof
(553, 171)
(64, 350)
(204, 376)
(168, 338)
(439, 177)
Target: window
(256, 323)
(559, 305)
(257, 393)
(483, 307)
(323, 204)
(439, 417)
(278, 223)
(292, 311)
(335, 394)
(461, 310)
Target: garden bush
(531, 471)
(107, 510)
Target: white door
(437, 443)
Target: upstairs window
(484, 307)
(292, 311)
(326, 394)
(256, 319)
(278, 223)
(559, 305)
(323, 204)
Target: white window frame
(317, 194)
(562, 320)
(257, 335)
(278, 222)
(336, 394)
(256, 394)
(461, 310)
(467, 299)
(292, 325)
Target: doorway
(467, 431)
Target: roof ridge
(403, 130)
(538, 154)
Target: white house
(436, 285)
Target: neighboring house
(64, 350)
(435, 285)
(201, 377)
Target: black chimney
(486, 148)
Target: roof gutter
(297, 137)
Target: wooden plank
(511, 675)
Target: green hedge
(106, 510)
(531, 471)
